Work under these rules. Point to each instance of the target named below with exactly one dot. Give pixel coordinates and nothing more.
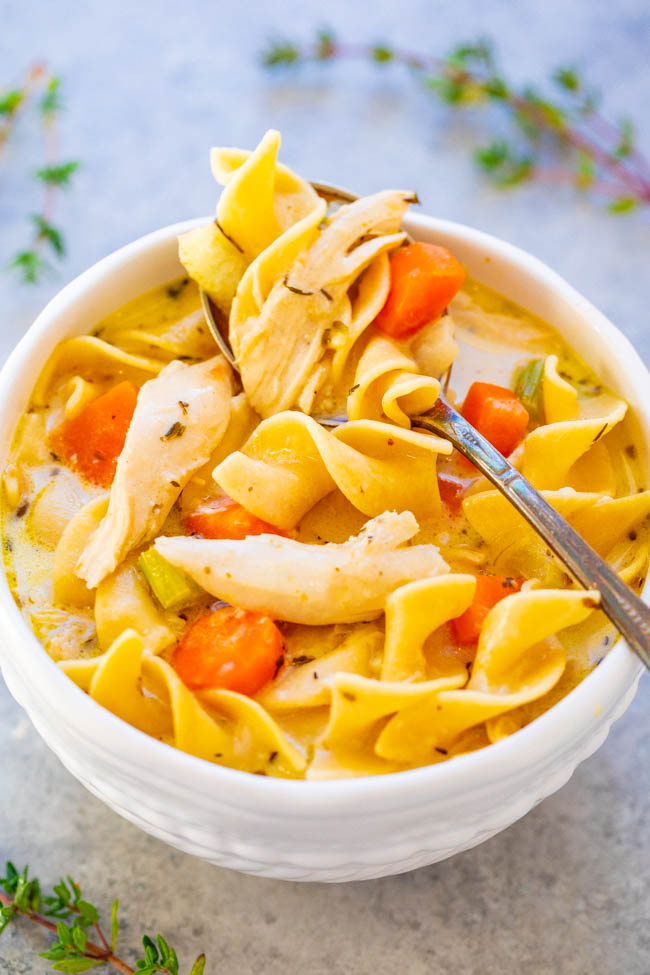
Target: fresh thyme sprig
(556, 139)
(40, 90)
(66, 914)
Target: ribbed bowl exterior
(364, 843)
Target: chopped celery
(528, 387)
(172, 587)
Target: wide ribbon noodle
(222, 726)
(570, 452)
(388, 384)
(515, 663)
(262, 200)
(407, 722)
(602, 521)
(291, 462)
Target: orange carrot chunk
(498, 414)
(423, 280)
(452, 491)
(489, 591)
(230, 648)
(224, 518)
(92, 440)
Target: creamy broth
(491, 347)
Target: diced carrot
(423, 280)
(92, 441)
(489, 591)
(497, 413)
(451, 490)
(230, 648)
(224, 518)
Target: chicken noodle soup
(212, 565)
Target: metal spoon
(628, 613)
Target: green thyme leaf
(381, 53)
(624, 204)
(7, 914)
(585, 170)
(168, 957)
(496, 87)
(79, 937)
(115, 924)
(465, 54)
(548, 114)
(55, 952)
(177, 429)
(47, 232)
(280, 52)
(27, 895)
(58, 175)
(11, 101)
(626, 144)
(503, 164)
(51, 100)
(449, 89)
(324, 45)
(567, 78)
(198, 967)
(528, 387)
(10, 881)
(89, 913)
(74, 965)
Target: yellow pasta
(122, 602)
(515, 663)
(413, 612)
(552, 450)
(388, 384)
(223, 725)
(291, 462)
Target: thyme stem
(16, 106)
(602, 157)
(40, 91)
(92, 950)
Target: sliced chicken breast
(312, 584)
(179, 419)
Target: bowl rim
(579, 709)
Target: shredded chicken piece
(312, 584)
(279, 349)
(179, 419)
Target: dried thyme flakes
(294, 290)
(176, 430)
(228, 237)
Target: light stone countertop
(149, 86)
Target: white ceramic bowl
(338, 830)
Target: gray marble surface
(149, 86)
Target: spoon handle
(628, 613)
